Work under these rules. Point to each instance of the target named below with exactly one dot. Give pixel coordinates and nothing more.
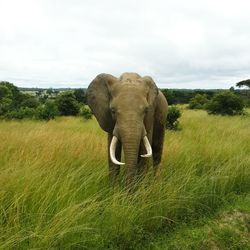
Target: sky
(181, 44)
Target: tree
(232, 89)
(39, 92)
(198, 101)
(49, 91)
(245, 83)
(173, 115)
(85, 112)
(12, 88)
(29, 101)
(10, 97)
(5, 105)
(47, 111)
(169, 95)
(225, 103)
(67, 103)
(21, 113)
(80, 96)
(4, 92)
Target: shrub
(86, 112)
(29, 101)
(225, 103)
(5, 92)
(174, 114)
(67, 103)
(47, 111)
(23, 112)
(80, 96)
(198, 102)
(5, 105)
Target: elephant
(132, 110)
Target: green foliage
(198, 102)
(29, 101)
(225, 103)
(47, 111)
(246, 93)
(169, 95)
(80, 96)
(183, 96)
(86, 112)
(13, 101)
(17, 105)
(5, 105)
(22, 113)
(43, 98)
(39, 93)
(174, 113)
(232, 89)
(12, 89)
(49, 91)
(10, 97)
(67, 103)
(5, 92)
(245, 83)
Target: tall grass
(55, 193)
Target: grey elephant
(133, 112)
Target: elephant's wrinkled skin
(128, 109)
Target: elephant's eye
(146, 110)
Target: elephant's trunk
(131, 137)
(131, 145)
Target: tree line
(46, 104)
(42, 105)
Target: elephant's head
(122, 106)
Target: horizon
(72, 87)
(85, 86)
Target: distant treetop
(243, 83)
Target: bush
(5, 92)
(198, 102)
(174, 114)
(80, 96)
(67, 103)
(5, 105)
(86, 112)
(225, 103)
(23, 112)
(47, 111)
(29, 101)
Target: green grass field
(55, 194)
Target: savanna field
(55, 192)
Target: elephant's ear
(98, 98)
(152, 89)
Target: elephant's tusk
(112, 151)
(147, 146)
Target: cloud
(182, 44)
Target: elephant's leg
(114, 169)
(157, 146)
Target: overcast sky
(181, 44)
